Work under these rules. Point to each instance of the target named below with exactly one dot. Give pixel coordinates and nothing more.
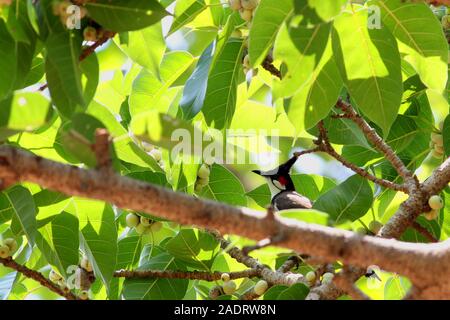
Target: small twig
(423, 231)
(268, 65)
(102, 149)
(289, 264)
(38, 277)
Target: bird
(282, 189)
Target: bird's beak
(257, 171)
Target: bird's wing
(291, 200)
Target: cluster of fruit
(443, 14)
(311, 277)
(60, 9)
(7, 247)
(92, 34)
(437, 144)
(142, 225)
(436, 204)
(155, 153)
(246, 8)
(202, 177)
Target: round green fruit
(198, 187)
(146, 222)
(362, 231)
(435, 202)
(84, 295)
(11, 243)
(54, 276)
(156, 154)
(260, 287)
(203, 172)
(132, 220)
(431, 215)
(246, 14)
(90, 34)
(249, 4)
(225, 277)
(437, 139)
(4, 251)
(235, 4)
(203, 181)
(327, 277)
(311, 276)
(156, 226)
(229, 287)
(375, 226)
(140, 229)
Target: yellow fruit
(11, 243)
(437, 139)
(90, 34)
(156, 154)
(156, 226)
(198, 187)
(84, 295)
(431, 215)
(4, 251)
(435, 202)
(225, 277)
(327, 277)
(229, 287)
(311, 276)
(85, 264)
(203, 172)
(54, 276)
(146, 222)
(235, 4)
(436, 154)
(203, 181)
(249, 4)
(246, 14)
(140, 229)
(132, 220)
(261, 287)
(375, 226)
(446, 21)
(439, 149)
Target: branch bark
(191, 275)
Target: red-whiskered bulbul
(282, 188)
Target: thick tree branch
(38, 277)
(191, 275)
(328, 243)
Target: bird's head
(279, 178)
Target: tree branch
(38, 277)
(191, 275)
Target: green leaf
(374, 85)
(446, 135)
(128, 252)
(63, 71)
(126, 15)
(420, 37)
(297, 291)
(185, 246)
(221, 92)
(185, 12)
(301, 49)
(327, 9)
(195, 88)
(157, 289)
(146, 47)
(24, 211)
(262, 34)
(315, 98)
(7, 280)
(306, 215)
(274, 292)
(261, 195)
(348, 201)
(8, 62)
(98, 237)
(224, 186)
(396, 288)
(23, 112)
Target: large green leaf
(315, 98)
(370, 69)
(301, 49)
(224, 186)
(267, 21)
(128, 252)
(126, 15)
(146, 47)
(160, 288)
(98, 237)
(8, 62)
(348, 201)
(221, 92)
(420, 38)
(23, 112)
(297, 291)
(185, 12)
(327, 9)
(24, 212)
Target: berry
(156, 154)
(132, 220)
(435, 202)
(327, 277)
(246, 14)
(235, 4)
(246, 62)
(439, 149)
(446, 21)
(431, 215)
(85, 264)
(90, 34)
(203, 172)
(84, 295)
(4, 251)
(146, 222)
(375, 226)
(311, 276)
(437, 139)
(54, 276)
(436, 154)
(156, 226)
(140, 229)
(225, 277)
(229, 287)
(198, 187)
(261, 287)
(249, 4)
(203, 181)
(11, 243)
